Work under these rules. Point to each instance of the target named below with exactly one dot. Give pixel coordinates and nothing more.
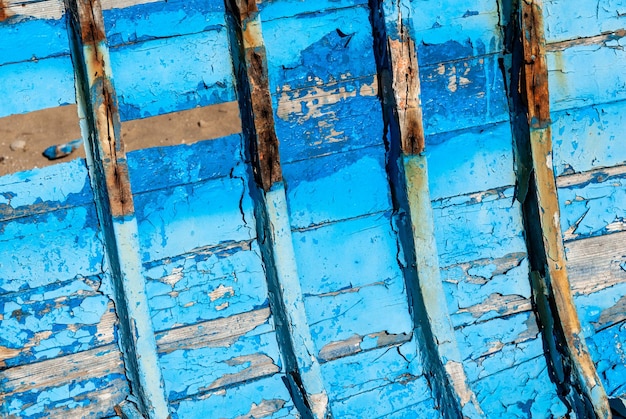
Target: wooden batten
(577, 374)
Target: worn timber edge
(304, 376)
(108, 169)
(398, 70)
(571, 365)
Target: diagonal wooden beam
(573, 367)
(398, 69)
(273, 222)
(106, 158)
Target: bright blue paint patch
(488, 229)
(332, 188)
(370, 309)
(571, 19)
(239, 401)
(501, 396)
(471, 161)
(463, 94)
(162, 19)
(178, 220)
(56, 246)
(588, 138)
(319, 120)
(607, 348)
(473, 25)
(585, 75)
(276, 9)
(34, 85)
(331, 46)
(592, 208)
(172, 74)
(338, 256)
(210, 285)
(189, 372)
(182, 164)
(33, 39)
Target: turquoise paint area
(206, 285)
(470, 161)
(571, 19)
(161, 19)
(172, 74)
(472, 26)
(586, 75)
(607, 348)
(589, 138)
(595, 207)
(276, 9)
(34, 85)
(463, 94)
(267, 396)
(193, 371)
(32, 39)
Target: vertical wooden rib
(273, 223)
(100, 126)
(577, 372)
(399, 74)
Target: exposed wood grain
(355, 344)
(39, 9)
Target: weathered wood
(100, 126)
(558, 313)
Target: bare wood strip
(596, 263)
(38, 9)
(257, 114)
(591, 40)
(560, 307)
(596, 176)
(353, 345)
(259, 365)
(214, 333)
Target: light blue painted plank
(48, 248)
(172, 74)
(338, 256)
(589, 138)
(331, 46)
(450, 30)
(32, 39)
(182, 164)
(269, 395)
(571, 19)
(594, 207)
(470, 161)
(207, 285)
(43, 190)
(162, 19)
(367, 371)
(332, 188)
(319, 120)
(586, 75)
(607, 348)
(361, 311)
(487, 226)
(463, 94)
(198, 370)
(277, 9)
(56, 320)
(178, 220)
(501, 396)
(33, 85)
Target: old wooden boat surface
(420, 215)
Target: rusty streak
(264, 142)
(558, 314)
(4, 11)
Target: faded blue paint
(157, 76)
(571, 19)
(153, 20)
(276, 9)
(588, 138)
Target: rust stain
(4, 11)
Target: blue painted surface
(32, 39)
(571, 19)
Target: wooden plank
(38, 9)
(100, 126)
(557, 312)
(90, 383)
